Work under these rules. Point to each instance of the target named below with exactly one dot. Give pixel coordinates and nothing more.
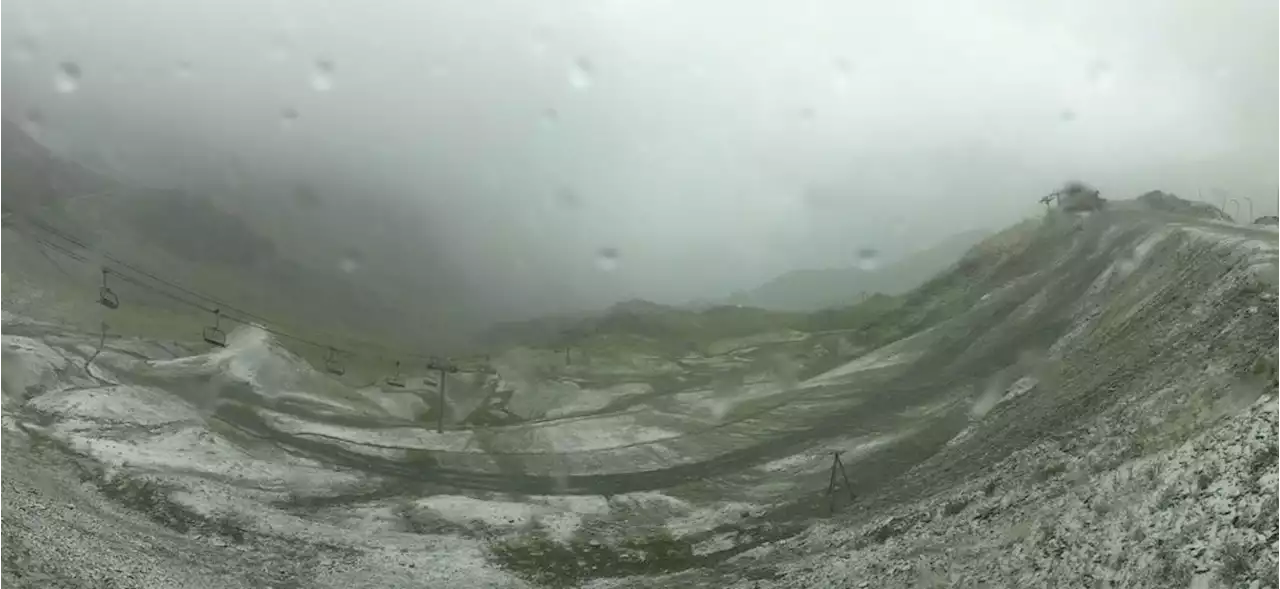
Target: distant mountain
(262, 255)
(808, 290)
(654, 322)
(34, 179)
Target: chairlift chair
(395, 380)
(106, 296)
(333, 365)
(214, 334)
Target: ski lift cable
(263, 324)
(248, 317)
(152, 276)
(245, 317)
(139, 283)
(143, 272)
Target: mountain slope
(1083, 400)
(268, 257)
(807, 290)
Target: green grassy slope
(807, 290)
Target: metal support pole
(836, 463)
(440, 414)
(443, 367)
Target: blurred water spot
(718, 408)
(807, 114)
(350, 260)
(550, 117)
(306, 196)
(279, 50)
(842, 74)
(1099, 72)
(288, 116)
(560, 475)
(67, 77)
(785, 370)
(868, 258)
(580, 74)
(25, 49)
(1067, 115)
(322, 76)
(567, 198)
(542, 40)
(607, 258)
(990, 397)
(348, 265)
(184, 70)
(33, 121)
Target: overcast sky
(711, 144)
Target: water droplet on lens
(1067, 115)
(550, 117)
(25, 49)
(322, 77)
(349, 262)
(288, 116)
(607, 259)
(843, 74)
(306, 196)
(807, 114)
(33, 121)
(580, 74)
(184, 69)
(279, 50)
(868, 259)
(67, 79)
(1099, 73)
(568, 199)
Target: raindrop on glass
(306, 196)
(842, 74)
(567, 198)
(184, 69)
(1067, 115)
(279, 48)
(607, 258)
(580, 74)
(33, 121)
(24, 50)
(815, 199)
(322, 77)
(560, 475)
(288, 116)
(807, 114)
(550, 117)
(1099, 72)
(349, 262)
(868, 259)
(348, 265)
(541, 44)
(67, 79)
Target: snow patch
(124, 404)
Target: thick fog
(556, 155)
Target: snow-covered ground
(1098, 418)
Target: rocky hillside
(1081, 400)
